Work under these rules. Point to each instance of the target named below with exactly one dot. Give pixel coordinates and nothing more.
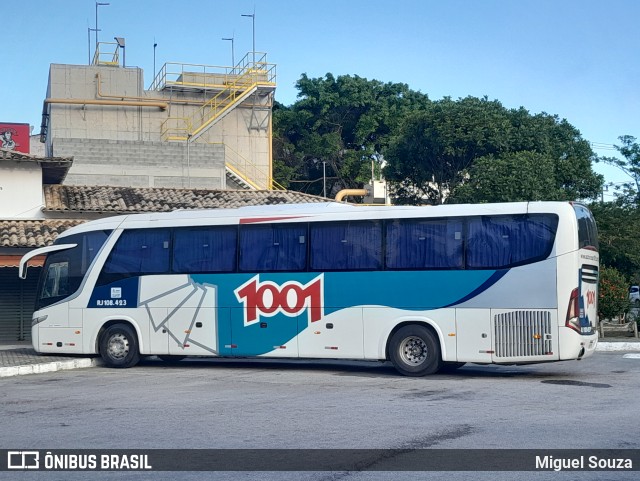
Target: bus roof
(298, 212)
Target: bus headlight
(38, 320)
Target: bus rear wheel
(415, 351)
(119, 346)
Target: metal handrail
(234, 87)
(174, 73)
(115, 56)
(247, 166)
(244, 165)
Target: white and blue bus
(422, 287)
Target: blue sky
(578, 59)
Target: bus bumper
(576, 346)
(67, 340)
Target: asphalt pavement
(20, 358)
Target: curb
(618, 346)
(48, 367)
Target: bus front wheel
(119, 346)
(415, 351)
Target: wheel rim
(413, 351)
(118, 346)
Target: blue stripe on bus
(495, 277)
(408, 290)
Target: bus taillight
(573, 312)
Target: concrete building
(196, 126)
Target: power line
(602, 146)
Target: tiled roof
(73, 199)
(126, 200)
(15, 155)
(33, 233)
(54, 169)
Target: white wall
(20, 190)
(244, 131)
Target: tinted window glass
(64, 270)
(424, 244)
(505, 241)
(346, 246)
(205, 249)
(139, 252)
(278, 247)
(587, 231)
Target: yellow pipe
(129, 103)
(99, 94)
(345, 192)
(146, 100)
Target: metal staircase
(245, 174)
(250, 83)
(225, 87)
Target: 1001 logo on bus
(291, 298)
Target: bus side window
(139, 252)
(274, 247)
(205, 249)
(424, 244)
(346, 246)
(496, 242)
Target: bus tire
(119, 346)
(415, 351)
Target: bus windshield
(64, 270)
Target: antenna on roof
(154, 55)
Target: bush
(613, 295)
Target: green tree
(613, 293)
(630, 165)
(618, 228)
(436, 150)
(518, 176)
(341, 124)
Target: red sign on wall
(14, 137)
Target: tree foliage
(341, 124)
(630, 165)
(453, 149)
(466, 150)
(512, 177)
(618, 235)
(613, 294)
(435, 147)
